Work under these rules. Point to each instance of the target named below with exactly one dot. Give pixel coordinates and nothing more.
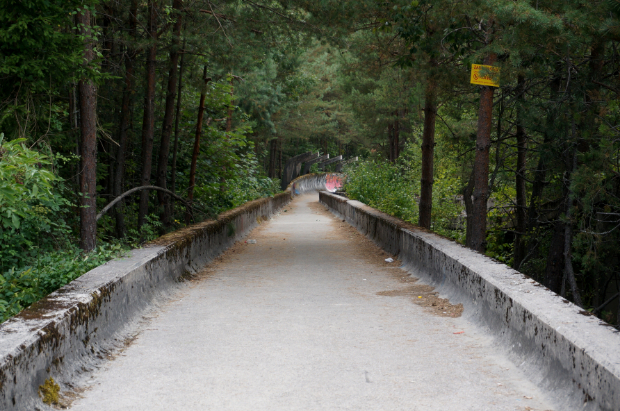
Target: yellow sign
(485, 75)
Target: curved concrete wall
(76, 327)
(565, 350)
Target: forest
(173, 111)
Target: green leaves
(28, 195)
(22, 287)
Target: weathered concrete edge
(573, 356)
(79, 325)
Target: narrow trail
(310, 317)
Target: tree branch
(135, 190)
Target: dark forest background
(204, 102)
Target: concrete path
(310, 317)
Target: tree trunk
(279, 157)
(148, 121)
(555, 259)
(469, 207)
(192, 171)
(569, 273)
(164, 148)
(390, 145)
(88, 128)
(428, 152)
(481, 165)
(125, 122)
(519, 247)
(273, 151)
(395, 138)
(175, 150)
(122, 141)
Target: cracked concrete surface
(306, 319)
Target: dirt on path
(310, 317)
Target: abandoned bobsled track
(309, 317)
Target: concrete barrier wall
(563, 349)
(78, 326)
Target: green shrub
(22, 287)
(30, 205)
(394, 189)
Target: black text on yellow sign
(485, 75)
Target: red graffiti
(334, 182)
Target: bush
(22, 287)
(393, 188)
(30, 205)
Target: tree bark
(568, 226)
(123, 135)
(390, 144)
(273, 151)
(164, 148)
(481, 165)
(469, 207)
(519, 246)
(395, 142)
(428, 152)
(122, 141)
(555, 259)
(88, 128)
(148, 121)
(192, 171)
(279, 148)
(175, 150)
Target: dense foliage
(386, 81)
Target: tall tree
(164, 149)
(148, 121)
(125, 120)
(192, 172)
(88, 128)
(428, 152)
(481, 165)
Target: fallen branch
(218, 15)
(135, 190)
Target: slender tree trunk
(164, 148)
(148, 121)
(228, 129)
(177, 117)
(481, 165)
(192, 171)
(469, 207)
(123, 135)
(540, 173)
(88, 126)
(122, 141)
(428, 153)
(230, 107)
(390, 144)
(555, 259)
(280, 158)
(396, 137)
(519, 247)
(569, 273)
(273, 151)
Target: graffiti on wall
(334, 182)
